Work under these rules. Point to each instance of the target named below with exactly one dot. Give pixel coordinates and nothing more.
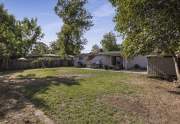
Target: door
(113, 60)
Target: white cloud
(104, 10)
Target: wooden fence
(35, 62)
(161, 66)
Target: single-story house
(82, 59)
(161, 66)
(112, 60)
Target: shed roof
(152, 56)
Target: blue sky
(101, 10)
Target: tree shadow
(168, 79)
(11, 72)
(16, 93)
(174, 92)
(10, 99)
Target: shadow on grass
(10, 99)
(11, 72)
(13, 92)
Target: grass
(74, 96)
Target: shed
(161, 66)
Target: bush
(45, 62)
(38, 63)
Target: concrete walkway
(121, 71)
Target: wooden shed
(161, 66)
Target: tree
(31, 33)
(40, 49)
(54, 48)
(77, 20)
(95, 48)
(7, 32)
(149, 26)
(16, 37)
(109, 42)
(3, 52)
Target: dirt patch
(150, 110)
(127, 104)
(15, 108)
(158, 102)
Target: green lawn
(78, 96)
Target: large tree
(40, 49)
(109, 42)
(31, 34)
(76, 21)
(16, 37)
(149, 26)
(95, 49)
(7, 32)
(54, 48)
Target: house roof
(84, 54)
(112, 53)
(45, 55)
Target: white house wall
(138, 60)
(106, 60)
(76, 61)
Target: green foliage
(48, 62)
(7, 32)
(3, 51)
(76, 21)
(41, 63)
(95, 48)
(17, 37)
(54, 48)
(40, 49)
(31, 33)
(109, 42)
(148, 26)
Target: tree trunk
(177, 67)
